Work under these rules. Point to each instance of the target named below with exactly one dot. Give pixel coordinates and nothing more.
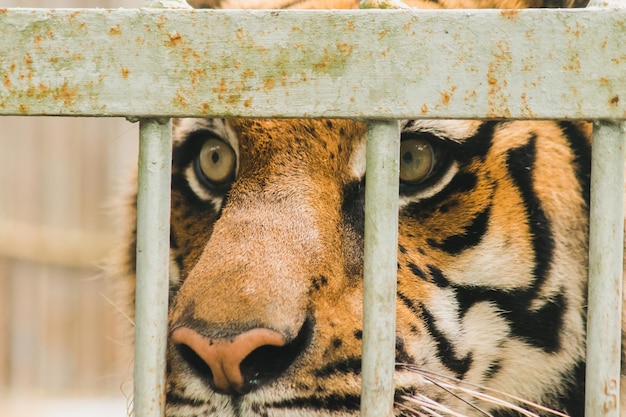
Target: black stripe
(415, 309)
(332, 402)
(582, 156)
(541, 328)
(174, 399)
(471, 236)
(445, 348)
(415, 270)
(462, 183)
(573, 399)
(438, 277)
(492, 370)
(348, 366)
(520, 163)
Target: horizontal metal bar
(606, 250)
(153, 237)
(379, 277)
(378, 64)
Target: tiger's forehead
(454, 130)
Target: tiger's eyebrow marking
(454, 130)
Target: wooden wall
(59, 181)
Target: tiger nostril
(269, 362)
(195, 362)
(241, 363)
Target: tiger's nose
(236, 364)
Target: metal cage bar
(151, 294)
(380, 259)
(606, 249)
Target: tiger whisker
(432, 381)
(414, 411)
(422, 406)
(431, 406)
(480, 392)
(498, 401)
(118, 308)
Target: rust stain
(125, 71)
(221, 89)
(248, 102)
(497, 71)
(23, 109)
(351, 26)
(471, 96)
(526, 111)
(509, 13)
(383, 33)
(43, 89)
(180, 100)
(424, 109)
(574, 63)
(247, 73)
(40, 91)
(269, 84)
(174, 39)
(66, 94)
(604, 81)
(7, 81)
(162, 22)
(614, 101)
(37, 42)
(190, 52)
(204, 107)
(447, 95)
(345, 48)
(239, 34)
(115, 30)
(196, 74)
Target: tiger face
(266, 291)
(267, 252)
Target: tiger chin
(266, 248)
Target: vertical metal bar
(153, 229)
(380, 268)
(606, 237)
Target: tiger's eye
(217, 162)
(417, 161)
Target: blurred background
(64, 345)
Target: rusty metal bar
(504, 64)
(379, 277)
(153, 228)
(606, 249)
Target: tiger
(266, 262)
